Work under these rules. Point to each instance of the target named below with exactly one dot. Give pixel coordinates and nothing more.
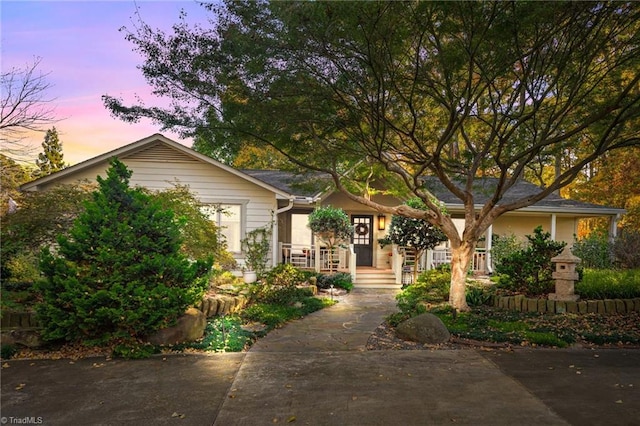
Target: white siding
(160, 167)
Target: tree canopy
(457, 90)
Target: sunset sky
(86, 56)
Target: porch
(319, 259)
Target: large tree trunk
(460, 260)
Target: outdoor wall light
(381, 222)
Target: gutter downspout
(274, 237)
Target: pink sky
(86, 57)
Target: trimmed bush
(530, 270)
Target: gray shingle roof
(484, 187)
(311, 184)
(300, 185)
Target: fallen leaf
(5, 365)
(291, 419)
(21, 386)
(619, 401)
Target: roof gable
(157, 149)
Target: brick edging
(521, 303)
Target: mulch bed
(384, 339)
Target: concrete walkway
(317, 372)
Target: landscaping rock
(189, 327)
(424, 328)
(29, 338)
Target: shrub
(431, 287)
(120, 274)
(7, 351)
(502, 247)
(200, 235)
(626, 249)
(338, 280)
(42, 216)
(279, 286)
(595, 251)
(530, 270)
(478, 295)
(285, 274)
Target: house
(254, 198)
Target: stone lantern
(565, 276)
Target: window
(228, 217)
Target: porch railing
(437, 257)
(316, 258)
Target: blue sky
(86, 56)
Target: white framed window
(228, 217)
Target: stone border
(219, 305)
(211, 306)
(521, 303)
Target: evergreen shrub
(530, 270)
(119, 275)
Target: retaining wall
(210, 306)
(521, 303)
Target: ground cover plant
(489, 324)
(609, 284)
(558, 330)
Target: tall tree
(24, 107)
(50, 160)
(457, 90)
(622, 172)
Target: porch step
(382, 280)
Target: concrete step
(382, 280)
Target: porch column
(613, 228)
(316, 248)
(397, 264)
(488, 245)
(276, 247)
(352, 262)
(553, 226)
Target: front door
(363, 239)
